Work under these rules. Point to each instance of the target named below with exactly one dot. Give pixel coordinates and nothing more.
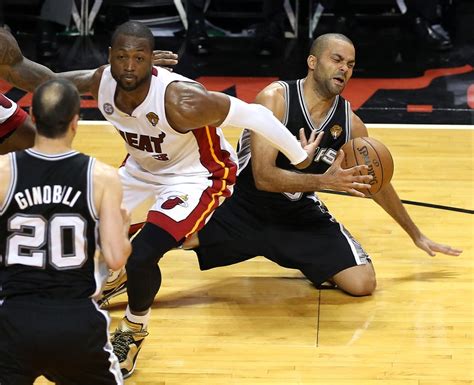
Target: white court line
(95, 122)
(395, 126)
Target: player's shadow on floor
(427, 276)
(240, 291)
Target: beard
(128, 85)
(326, 86)
(334, 89)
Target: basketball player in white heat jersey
(178, 155)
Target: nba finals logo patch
(175, 200)
(335, 131)
(152, 118)
(108, 108)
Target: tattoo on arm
(10, 52)
(82, 79)
(27, 75)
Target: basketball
(369, 151)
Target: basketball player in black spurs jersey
(274, 212)
(54, 204)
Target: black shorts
(299, 235)
(66, 341)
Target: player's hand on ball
(165, 59)
(348, 180)
(375, 155)
(431, 247)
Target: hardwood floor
(256, 323)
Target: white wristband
(261, 120)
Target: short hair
(321, 42)
(55, 103)
(134, 28)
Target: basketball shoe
(115, 285)
(127, 341)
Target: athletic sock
(135, 322)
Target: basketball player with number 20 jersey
(54, 204)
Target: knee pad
(149, 246)
(144, 276)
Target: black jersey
(337, 131)
(49, 228)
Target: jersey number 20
(32, 232)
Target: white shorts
(179, 209)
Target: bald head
(55, 103)
(321, 43)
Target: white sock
(138, 319)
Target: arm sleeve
(261, 120)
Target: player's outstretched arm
(388, 199)
(27, 75)
(18, 70)
(190, 106)
(114, 221)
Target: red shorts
(13, 121)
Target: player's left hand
(165, 59)
(431, 247)
(310, 146)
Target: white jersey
(158, 153)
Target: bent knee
(362, 287)
(357, 281)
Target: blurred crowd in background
(266, 22)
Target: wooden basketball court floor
(256, 323)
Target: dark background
(398, 77)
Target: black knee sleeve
(144, 275)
